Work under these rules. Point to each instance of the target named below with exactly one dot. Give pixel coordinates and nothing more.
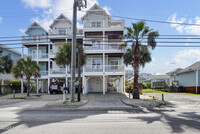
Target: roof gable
(96, 8)
(32, 26)
(192, 67)
(60, 17)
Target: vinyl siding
(187, 79)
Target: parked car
(56, 87)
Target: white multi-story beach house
(104, 70)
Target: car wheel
(51, 92)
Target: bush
(148, 85)
(129, 88)
(16, 85)
(144, 86)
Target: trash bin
(180, 89)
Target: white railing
(114, 68)
(43, 56)
(40, 56)
(52, 53)
(44, 73)
(95, 68)
(104, 24)
(35, 39)
(116, 23)
(94, 47)
(58, 71)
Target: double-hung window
(96, 63)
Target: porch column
(49, 59)
(66, 81)
(2, 86)
(83, 84)
(48, 85)
(124, 83)
(104, 89)
(42, 86)
(22, 86)
(37, 53)
(37, 86)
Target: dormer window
(96, 24)
(62, 32)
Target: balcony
(97, 68)
(40, 56)
(114, 68)
(58, 71)
(108, 68)
(44, 73)
(34, 39)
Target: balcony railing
(114, 68)
(95, 68)
(38, 38)
(94, 47)
(108, 68)
(40, 56)
(44, 73)
(58, 71)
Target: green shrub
(16, 85)
(148, 85)
(129, 88)
(144, 86)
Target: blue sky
(17, 15)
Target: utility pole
(77, 4)
(79, 74)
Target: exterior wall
(95, 17)
(187, 79)
(191, 89)
(14, 56)
(95, 84)
(61, 25)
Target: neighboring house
(173, 76)
(158, 81)
(100, 37)
(104, 58)
(189, 78)
(129, 74)
(146, 76)
(143, 77)
(15, 55)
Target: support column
(42, 86)
(37, 53)
(37, 86)
(2, 88)
(22, 86)
(48, 85)
(124, 84)
(104, 89)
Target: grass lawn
(164, 91)
(154, 91)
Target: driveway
(109, 101)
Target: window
(98, 24)
(114, 64)
(62, 32)
(96, 62)
(93, 24)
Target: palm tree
(139, 54)
(63, 56)
(5, 63)
(28, 68)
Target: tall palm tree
(28, 68)
(139, 54)
(6, 63)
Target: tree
(28, 68)
(5, 63)
(139, 54)
(63, 56)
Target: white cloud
(184, 58)
(38, 3)
(1, 19)
(22, 30)
(190, 29)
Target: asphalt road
(100, 120)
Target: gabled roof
(60, 17)
(32, 26)
(191, 68)
(175, 71)
(96, 8)
(9, 49)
